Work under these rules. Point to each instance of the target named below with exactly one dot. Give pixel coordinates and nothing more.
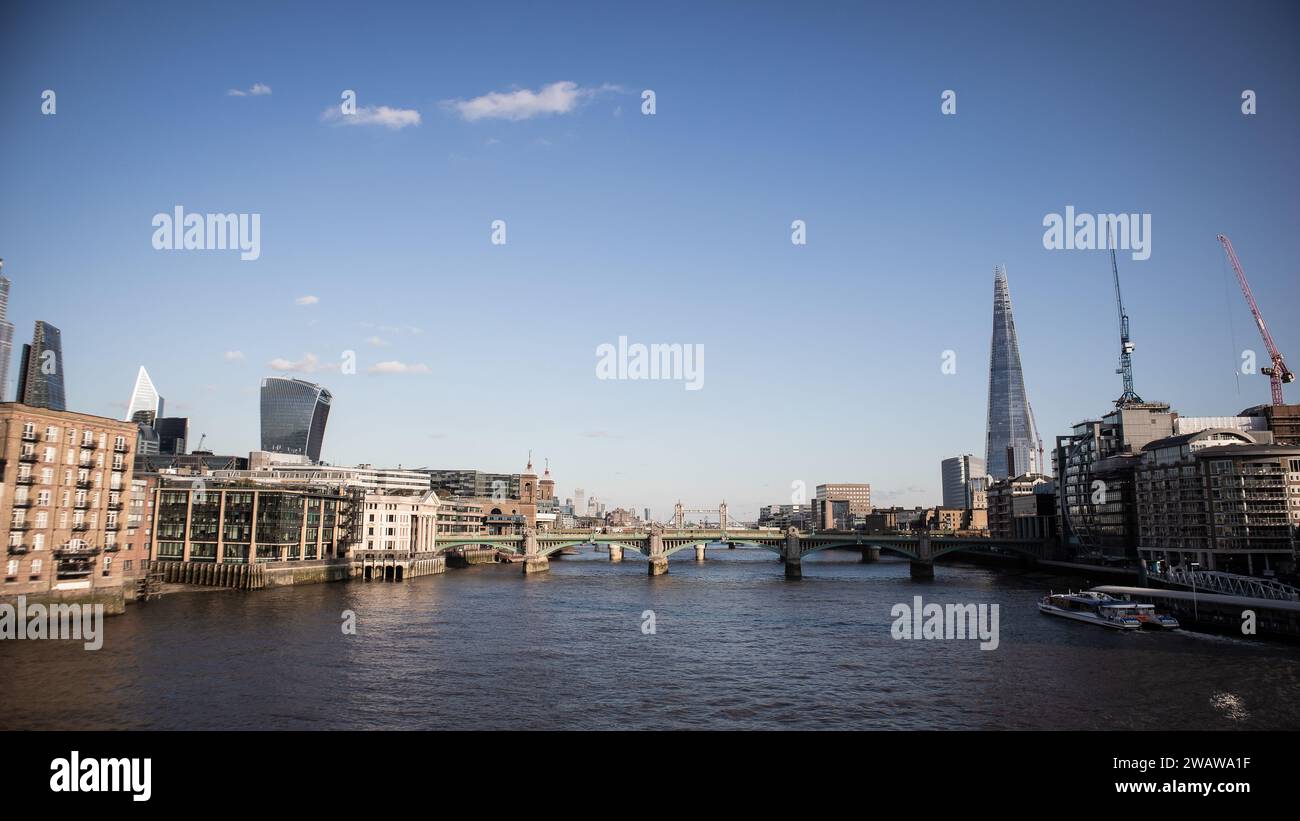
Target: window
(51, 434)
(11, 569)
(36, 567)
(38, 541)
(51, 454)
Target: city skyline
(391, 259)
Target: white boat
(1092, 607)
(1147, 615)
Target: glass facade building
(294, 413)
(40, 382)
(6, 336)
(1010, 440)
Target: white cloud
(392, 118)
(556, 98)
(394, 366)
(307, 364)
(258, 90)
(306, 300)
(234, 356)
(377, 342)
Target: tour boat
(1092, 607)
(1147, 615)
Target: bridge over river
(657, 544)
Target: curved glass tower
(293, 416)
(1009, 447)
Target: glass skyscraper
(1011, 437)
(293, 416)
(40, 381)
(6, 336)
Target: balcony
(24, 503)
(91, 445)
(112, 548)
(76, 552)
(84, 484)
(81, 504)
(120, 448)
(18, 549)
(80, 526)
(26, 480)
(20, 526)
(112, 527)
(29, 436)
(86, 463)
(28, 457)
(114, 505)
(118, 468)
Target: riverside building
(64, 481)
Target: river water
(735, 646)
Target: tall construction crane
(1129, 396)
(1278, 373)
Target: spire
(1010, 438)
(547, 474)
(529, 469)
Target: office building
(294, 413)
(144, 398)
(1011, 440)
(858, 496)
(957, 474)
(6, 335)
(173, 435)
(240, 523)
(40, 378)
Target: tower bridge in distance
(656, 544)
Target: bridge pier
(922, 571)
(658, 565)
(615, 553)
(534, 561)
(870, 554)
(791, 556)
(699, 553)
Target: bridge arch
(635, 545)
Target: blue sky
(822, 361)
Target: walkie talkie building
(1011, 438)
(294, 413)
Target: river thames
(735, 646)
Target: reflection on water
(735, 646)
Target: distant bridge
(657, 544)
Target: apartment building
(1220, 499)
(64, 481)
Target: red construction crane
(1278, 373)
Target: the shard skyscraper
(1011, 439)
